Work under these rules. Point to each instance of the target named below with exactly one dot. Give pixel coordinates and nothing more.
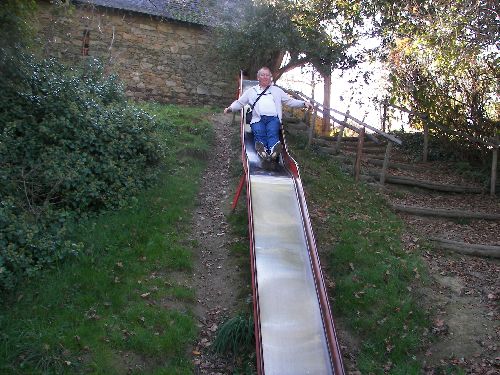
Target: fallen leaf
(359, 294)
(439, 328)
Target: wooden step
(430, 185)
(297, 126)
(437, 212)
(291, 120)
(378, 162)
(369, 149)
(379, 156)
(467, 248)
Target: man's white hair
(262, 69)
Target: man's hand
(227, 110)
(308, 105)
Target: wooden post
(384, 115)
(359, 154)
(341, 133)
(386, 162)
(339, 138)
(312, 125)
(426, 142)
(327, 86)
(494, 160)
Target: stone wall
(157, 59)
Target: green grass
(374, 276)
(117, 305)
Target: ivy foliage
(70, 145)
(14, 23)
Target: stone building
(160, 49)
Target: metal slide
(294, 329)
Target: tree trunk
(384, 115)
(275, 62)
(426, 142)
(327, 78)
(494, 161)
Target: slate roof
(201, 12)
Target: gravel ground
(216, 277)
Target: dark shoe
(261, 150)
(276, 150)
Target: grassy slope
(374, 278)
(372, 273)
(108, 310)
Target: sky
(349, 90)
(345, 93)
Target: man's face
(265, 78)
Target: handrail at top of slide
(292, 169)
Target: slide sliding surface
(292, 334)
(294, 328)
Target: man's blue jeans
(267, 131)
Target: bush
(70, 144)
(441, 148)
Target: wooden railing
(318, 107)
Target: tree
(317, 32)
(443, 58)
(260, 38)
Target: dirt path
(216, 278)
(464, 291)
(463, 296)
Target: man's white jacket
(280, 97)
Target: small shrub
(235, 336)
